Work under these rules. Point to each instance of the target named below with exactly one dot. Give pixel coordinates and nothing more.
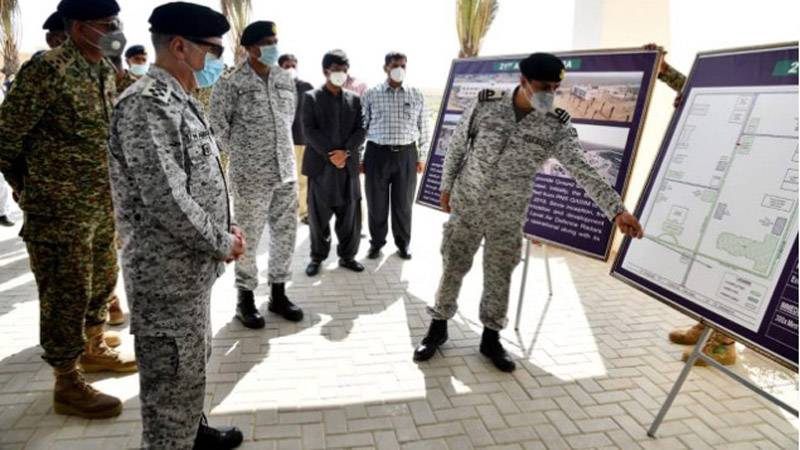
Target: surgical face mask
(338, 78)
(139, 69)
(111, 44)
(210, 73)
(269, 55)
(292, 72)
(398, 74)
(542, 101)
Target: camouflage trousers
(273, 206)
(172, 386)
(461, 239)
(75, 266)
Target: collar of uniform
(511, 110)
(70, 52)
(388, 87)
(253, 77)
(167, 78)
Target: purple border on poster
(592, 232)
(777, 334)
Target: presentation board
(720, 206)
(606, 92)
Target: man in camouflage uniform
(252, 110)
(500, 143)
(171, 206)
(53, 139)
(720, 347)
(136, 58)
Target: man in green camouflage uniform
(53, 140)
(720, 347)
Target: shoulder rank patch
(562, 115)
(157, 90)
(58, 58)
(488, 95)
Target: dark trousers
(390, 177)
(348, 224)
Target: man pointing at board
(500, 143)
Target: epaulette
(59, 58)
(562, 115)
(488, 95)
(157, 89)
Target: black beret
(188, 20)
(54, 23)
(87, 9)
(257, 31)
(134, 50)
(542, 67)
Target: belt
(394, 148)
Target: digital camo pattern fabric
(673, 78)
(489, 170)
(252, 118)
(53, 139)
(171, 205)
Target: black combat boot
(493, 349)
(246, 310)
(221, 438)
(279, 304)
(437, 335)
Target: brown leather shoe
(98, 357)
(719, 347)
(112, 339)
(74, 396)
(687, 336)
(115, 314)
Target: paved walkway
(595, 366)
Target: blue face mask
(269, 55)
(210, 73)
(543, 101)
(139, 69)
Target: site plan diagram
(722, 214)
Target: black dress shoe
(404, 253)
(6, 222)
(374, 253)
(437, 335)
(246, 310)
(279, 304)
(221, 438)
(312, 268)
(351, 264)
(493, 349)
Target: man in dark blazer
(334, 135)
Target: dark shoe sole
(253, 325)
(69, 410)
(352, 268)
(505, 369)
(286, 316)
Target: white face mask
(292, 72)
(338, 78)
(398, 74)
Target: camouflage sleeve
(569, 152)
(457, 148)
(424, 131)
(672, 77)
(220, 114)
(145, 136)
(24, 106)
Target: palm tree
(473, 19)
(238, 14)
(9, 13)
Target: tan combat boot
(74, 396)
(115, 314)
(98, 357)
(112, 338)
(687, 336)
(719, 347)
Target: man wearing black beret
(171, 204)
(136, 58)
(252, 111)
(501, 141)
(53, 141)
(55, 30)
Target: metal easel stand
(525, 264)
(697, 353)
